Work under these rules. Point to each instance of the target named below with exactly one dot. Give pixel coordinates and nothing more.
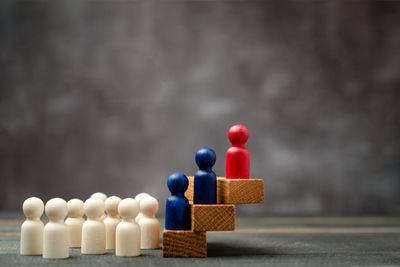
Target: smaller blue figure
(205, 180)
(177, 209)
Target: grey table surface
(261, 241)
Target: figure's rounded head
(205, 157)
(94, 208)
(33, 207)
(128, 208)
(75, 208)
(56, 209)
(140, 196)
(99, 195)
(111, 205)
(177, 183)
(238, 135)
(148, 206)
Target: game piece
(139, 197)
(237, 156)
(75, 222)
(184, 244)
(205, 180)
(177, 209)
(99, 195)
(55, 234)
(240, 191)
(128, 231)
(103, 197)
(32, 227)
(93, 229)
(112, 220)
(218, 217)
(149, 225)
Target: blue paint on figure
(177, 209)
(205, 180)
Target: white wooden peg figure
(139, 197)
(103, 197)
(93, 230)
(100, 195)
(75, 222)
(56, 236)
(149, 225)
(128, 231)
(32, 227)
(112, 220)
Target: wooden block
(234, 191)
(187, 244)
(240, 191)
(190, 189)
(218, 217)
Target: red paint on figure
(237, 156)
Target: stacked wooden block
(218, 217)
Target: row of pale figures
(128, 226)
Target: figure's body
(75, 222)
(32, 228)
(205, 180)
(237, 156)
(149, 225)
(128, 231)
(93, 230)
(55, 235)
(177, 209)
(112, 220)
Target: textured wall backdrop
(115, 96)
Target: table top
(261, 241)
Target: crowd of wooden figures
(196, 205)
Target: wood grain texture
(234, 191)
(219, 217)
(187, 244)
(189, 191)
(240, 191)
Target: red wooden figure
(237, 156)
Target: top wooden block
(234, 191)
(240, 191)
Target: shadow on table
(230, 250)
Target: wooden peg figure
(93, 230)
(149, 225)
(237, 156)
(111, 221)
(32, 227)
(205, 180)
(100, 195)
(139, 197)
(128, 231)
(177, 209)
(103, 197)
(55, 234)
(75, 222)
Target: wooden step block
(218, 217)
(234, 191)
(189, 192)
(240, 191)
(188, 244)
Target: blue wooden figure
(177, 209)
(205, 180)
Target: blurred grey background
(115, 96)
